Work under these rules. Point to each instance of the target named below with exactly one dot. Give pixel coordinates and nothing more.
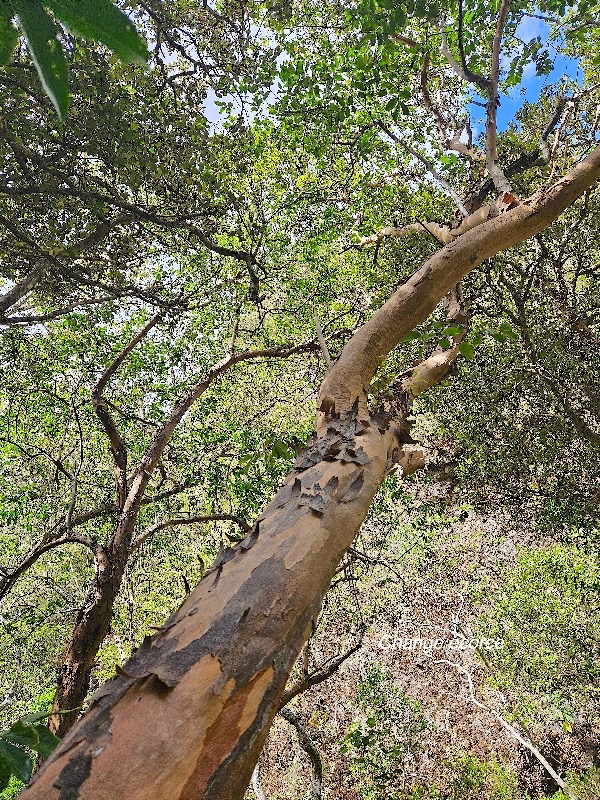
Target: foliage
(376, 746)
(98, 20)
(25, 736)
(586, 785)
(545, 610)
(471, 779)
(237, 232)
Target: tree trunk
(91, 628)
(188, 715)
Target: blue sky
(532, 84)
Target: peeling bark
(187, 716)
(207, 683)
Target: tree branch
(169, 523)
(441, 122)
(8, 580)
(428, 166)
(491, 151)
(307, 744)
(117, 444)
(148, 463)
(509, 728)
(354, 369)
(324, 672)
(467, 75)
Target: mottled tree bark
(188, 715)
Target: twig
(428, 166)
(508, 727)
(321, 338)
(170, 523)
(496, 173)
(324, 672)
(307, 744)
(257, 783)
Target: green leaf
(280, 450)
(31, 718)
(444, 342)
(20, 763)
(411, 336)
(467, 350)
(452, 330)
(5, 772)
(46, 52)
(21, 733)
(102, 21)
(8, 35)
(47, 741)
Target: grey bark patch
(250, 540)
(321, 496)
(339, 442)
(306, 460)
(245, 649)
(362, 426)
(333, 450)
(353, 489)
(224, 555)
(381, 419)
(244, 615)
(353, 455)
(73, 775)
(297, 488)
(316, 502)
(164, 680)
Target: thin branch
(111, 508)
(467, 75)
(169, 523)
(114, 366)
(35, 319)
(551, 124)
(441, 122)
(8, 580)
(324, 672)
(321, 338)
(257, 783)
(147, 465)
(428, 166)
(39, 272)
(509, 728)
(496, 173)
(17, 658)
(580, 425)
(569, 108)
(307, 744)
(24, 286)
(118, 447)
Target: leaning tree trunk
(188, 715)
(92, 626)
